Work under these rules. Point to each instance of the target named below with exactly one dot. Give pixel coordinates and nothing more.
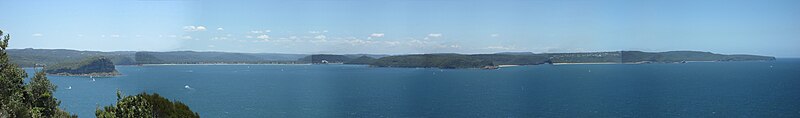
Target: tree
(128, 107)
(145, 106)
(18, 100)
(11, 85)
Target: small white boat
(69, 88)
(187, 87)
(92, 79)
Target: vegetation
(680, 56)
(363, 60)
(145, 106)
(20, 100)
(318, 58)
(505, 59)
(520, 58)
(94, 66)
(29, 57)
(191, 57)
(448, 61)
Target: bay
(697, 89)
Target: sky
(763, 27)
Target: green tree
(11, 85)
(40, 95)
(128, 107)
(145, 106)
(18, 100)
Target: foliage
(18, 99)
(128, 107)
(448, 61)
(191, 57)
(86, 66)
(163, 108)
(363, 60)
(507, 59)
(317, 58)
(145, 106)
(29, 57)
(679, 56)
(518, 58)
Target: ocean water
(701, 89)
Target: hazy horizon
(768, 28)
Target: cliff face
(88, 67)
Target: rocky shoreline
(108, 74)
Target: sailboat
(69, 88)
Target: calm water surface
(723, 89)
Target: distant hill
(93, 66)
(192, 57)
(363, 60)
(346, 59)
(29, 57)
(449, 61)
(483, 60)
(679, 56)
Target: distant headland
(29, 57)
(93, 66)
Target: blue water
(721, 89)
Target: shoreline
(596, 63)
(208, 64)
(102, 75)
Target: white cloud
(219, 38)
(37, 34)
(194, 28)
(376, 35)
(186, 37)
(114, 36)
(500, 47)
(435, 35)
(314, 32)
(263, 37)
(79, 35)
(393, 43)
(211, 46)
(220, 29)
(494, 35)
(320, 37)
(260, 31)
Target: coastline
(108, 74)
(596, 63)
(210, 64)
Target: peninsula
(94, 66)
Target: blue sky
(769, 27)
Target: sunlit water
(722, 89)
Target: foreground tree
(20, 100)
(145, 106)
